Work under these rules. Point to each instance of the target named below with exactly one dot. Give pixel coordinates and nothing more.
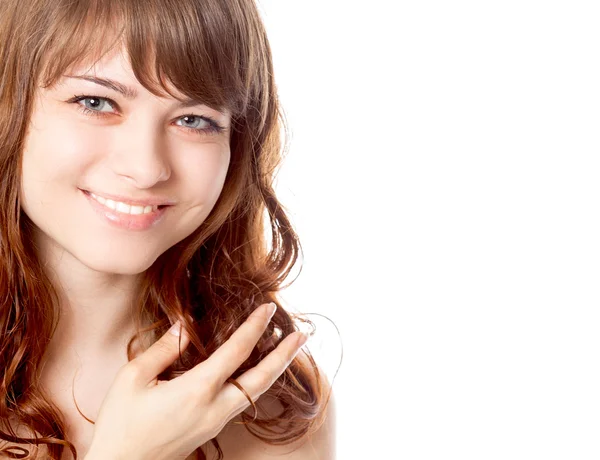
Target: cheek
(54, 155)
(204, 173)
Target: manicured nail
(176, 329)
(272, 309)
(302, 338)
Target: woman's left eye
(208, 125)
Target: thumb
(161, 353)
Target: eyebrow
(131, 93)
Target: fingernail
(272, 309)
(302, 339)
(176, 329)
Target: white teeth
(111, 204)
(135, 210)
(124, 207)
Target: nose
(142, 159)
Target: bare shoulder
(238, 444)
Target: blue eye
(96, 101)
(210, 126)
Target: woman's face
(142, 151)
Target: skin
(141, 149)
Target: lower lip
(126, 221)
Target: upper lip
(151, 201)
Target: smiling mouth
(126, 216)
(124, 207)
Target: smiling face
(138, 149)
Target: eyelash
(213, 128)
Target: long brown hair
(211, 50)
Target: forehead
(114, 70)
(115, 65)
(115, 60)
(140, 53)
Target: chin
(117, 264)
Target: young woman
(138, 144)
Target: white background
(444, 181)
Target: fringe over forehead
(210, 50)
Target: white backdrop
(443, 176)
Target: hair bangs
(189, 48)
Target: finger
(161, 354)
(229, 356)
(261, 377)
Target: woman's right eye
(93, 104)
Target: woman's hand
(141, 420)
